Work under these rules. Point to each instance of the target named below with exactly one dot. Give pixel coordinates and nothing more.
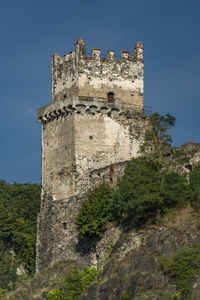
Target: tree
(74, 284)
(137, 197)
(95, 211)
(19, 205)
(157, 136)
(8, 276)
(145, 191)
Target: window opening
(64, 225)
(111, 97)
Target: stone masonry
(78, 75)
(93, 127)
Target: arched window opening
(111, 96)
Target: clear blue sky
(31, 31)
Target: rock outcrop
(133, 271)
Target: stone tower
(93, 126)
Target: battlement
(137, 55)
(96, 76)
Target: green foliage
(19, 205)
(174, 189)
(74, 285)
(182, 267)
(169, 297)
(144, 192)
(109, 251)
(79, 281)
(195, 187)
(2, 294)
(8, 276)
(137, 192)
(178, 153)
(180, 156)
(96, 211)
(158, 134)
(127, 295)
(55, 294)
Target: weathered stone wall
(77, 74)
(82, 146)
(87, 138)
(58, 238)
(78, 139)
(58, 158)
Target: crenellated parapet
(96, 76)
(80, 51)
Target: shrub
(8, 276)
(2, 294)
(96, 211)
(144, 191)
(169, 297)
(19, 205)
(137, 195)
(180, 156)
(78, 282)
(195, 187)
(174, 189)
(55, 294)
(182, 267)
(157, 136)
(74, 285)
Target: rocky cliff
(159, 261)
(133, 270)
(132, 266)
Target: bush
(8, 276)
(55, 294)
(19, 205)
(137, 194)
(78, 282)
(74, 285)
(144, 192)
(174, 189)
(169, 297)
(96, 211)
(195, 187)
(157, 135)
(2, 294)
(182, 267)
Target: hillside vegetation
(156, 256)
(149, 188)
(19, 205)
